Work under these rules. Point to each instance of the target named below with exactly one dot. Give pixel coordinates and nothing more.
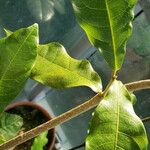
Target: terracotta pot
(41, 110)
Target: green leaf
(114, 125)
(8, 32)
(55, 68)
(17, 55)
(40, 141)
(107, 24)
(10, 125)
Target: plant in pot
(31, 115)
(114, 124)
(23, 115)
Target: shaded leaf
(108, 26)
(55, 68)
(17, 55)
(10, 125)
(114, 125)
(40, 141)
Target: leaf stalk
(134, 86)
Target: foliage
(22, 57)
(108, 26)
(62, 71)
(114, 124)
(107, 23)
(17, 56)
(10, 126)
(40, 141)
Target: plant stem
(52, 123)
(113, 77)
(138, 85)
(146, 119)
(144, 84)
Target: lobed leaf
(10, 126)
(55, 68)
(107, 24)
(114, 125)
(17, 56)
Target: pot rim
(39, 107)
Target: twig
(138, 85)
(113, 77)
(144, 84)
(146, 119)
(52, 123)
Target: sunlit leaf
(114, 125)
(108, 26)
(18, 52)
(55, 68)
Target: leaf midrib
(117, 126)
(19, 49)
(112, 32)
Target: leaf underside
(114, 125)
(107, 24)
(55, 68)
(17, 55)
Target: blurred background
(57, 23)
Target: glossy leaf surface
(40, 141)
(114, 125)
(108, 26)
(10, 125)
(18, 52)
(55, 68)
